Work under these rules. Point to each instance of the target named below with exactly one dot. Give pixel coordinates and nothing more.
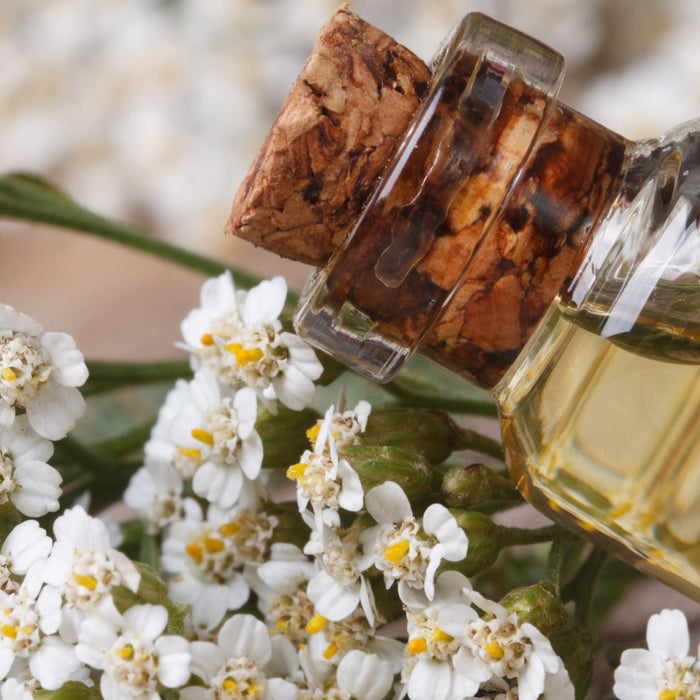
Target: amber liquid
(609, 440)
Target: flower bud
(284, 435)
(432, 433)
(577, 648)
(537, 605)
(375, 465)
(467, 486)
(484, 542)
(72, 690)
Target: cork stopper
(340, 124)
(462, 237)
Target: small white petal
(387, 503)
(54, 663)
(265, 301)
(667, 634)
(245, 635)
(69, 364)
(26, 545)
(173, 660)
(149, 620)
(351, 495)
(39, 489)
(364, 675)
(55, 409)
(331, 599)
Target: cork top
(338, 127)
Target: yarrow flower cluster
(348, 585)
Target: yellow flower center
(207, 339)
(315, 624)
(296, 472)
(244, 355)
(86, 581)
(203, 436)
(8, 374)
(395, 552)
(494, 650)
(417, 646)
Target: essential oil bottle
(550, 260)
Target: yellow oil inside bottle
(608, 440)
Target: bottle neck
(528, 251)
(477, 220)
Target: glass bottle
(550, 260)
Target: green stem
(513, 536)
(104, 376)
(582, 588)
(473, 440)
(414, 399)
(555, 560)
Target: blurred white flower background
(151, 112)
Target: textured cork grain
(338, 127)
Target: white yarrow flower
(664, 670)
(155, 491)
(32, 485)
(205, 561)
(219, 432)
(84, 568)
(238, 336)
(324, 480)
(428, 671)
(23, 553)
(235, 667)
(134, 656)
(404, 548)
(28, 626)
(39, 372)
(498, 645)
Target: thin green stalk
(513, 536)
(478, 442)
(582, 588)
(110, 375)
(409, 397)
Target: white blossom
(499, 645)
(84, 568)
(235, 667)
(39, 372)
(238, 336)
(345, 427)
(218, 432)
(664, 670)
(205, 564)
(28, 626)
(155, 491)
(32, 485)
(324, 480)
(428, 671)
(23, 553)
(134, 655)
(404, 548)
(340, 586)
